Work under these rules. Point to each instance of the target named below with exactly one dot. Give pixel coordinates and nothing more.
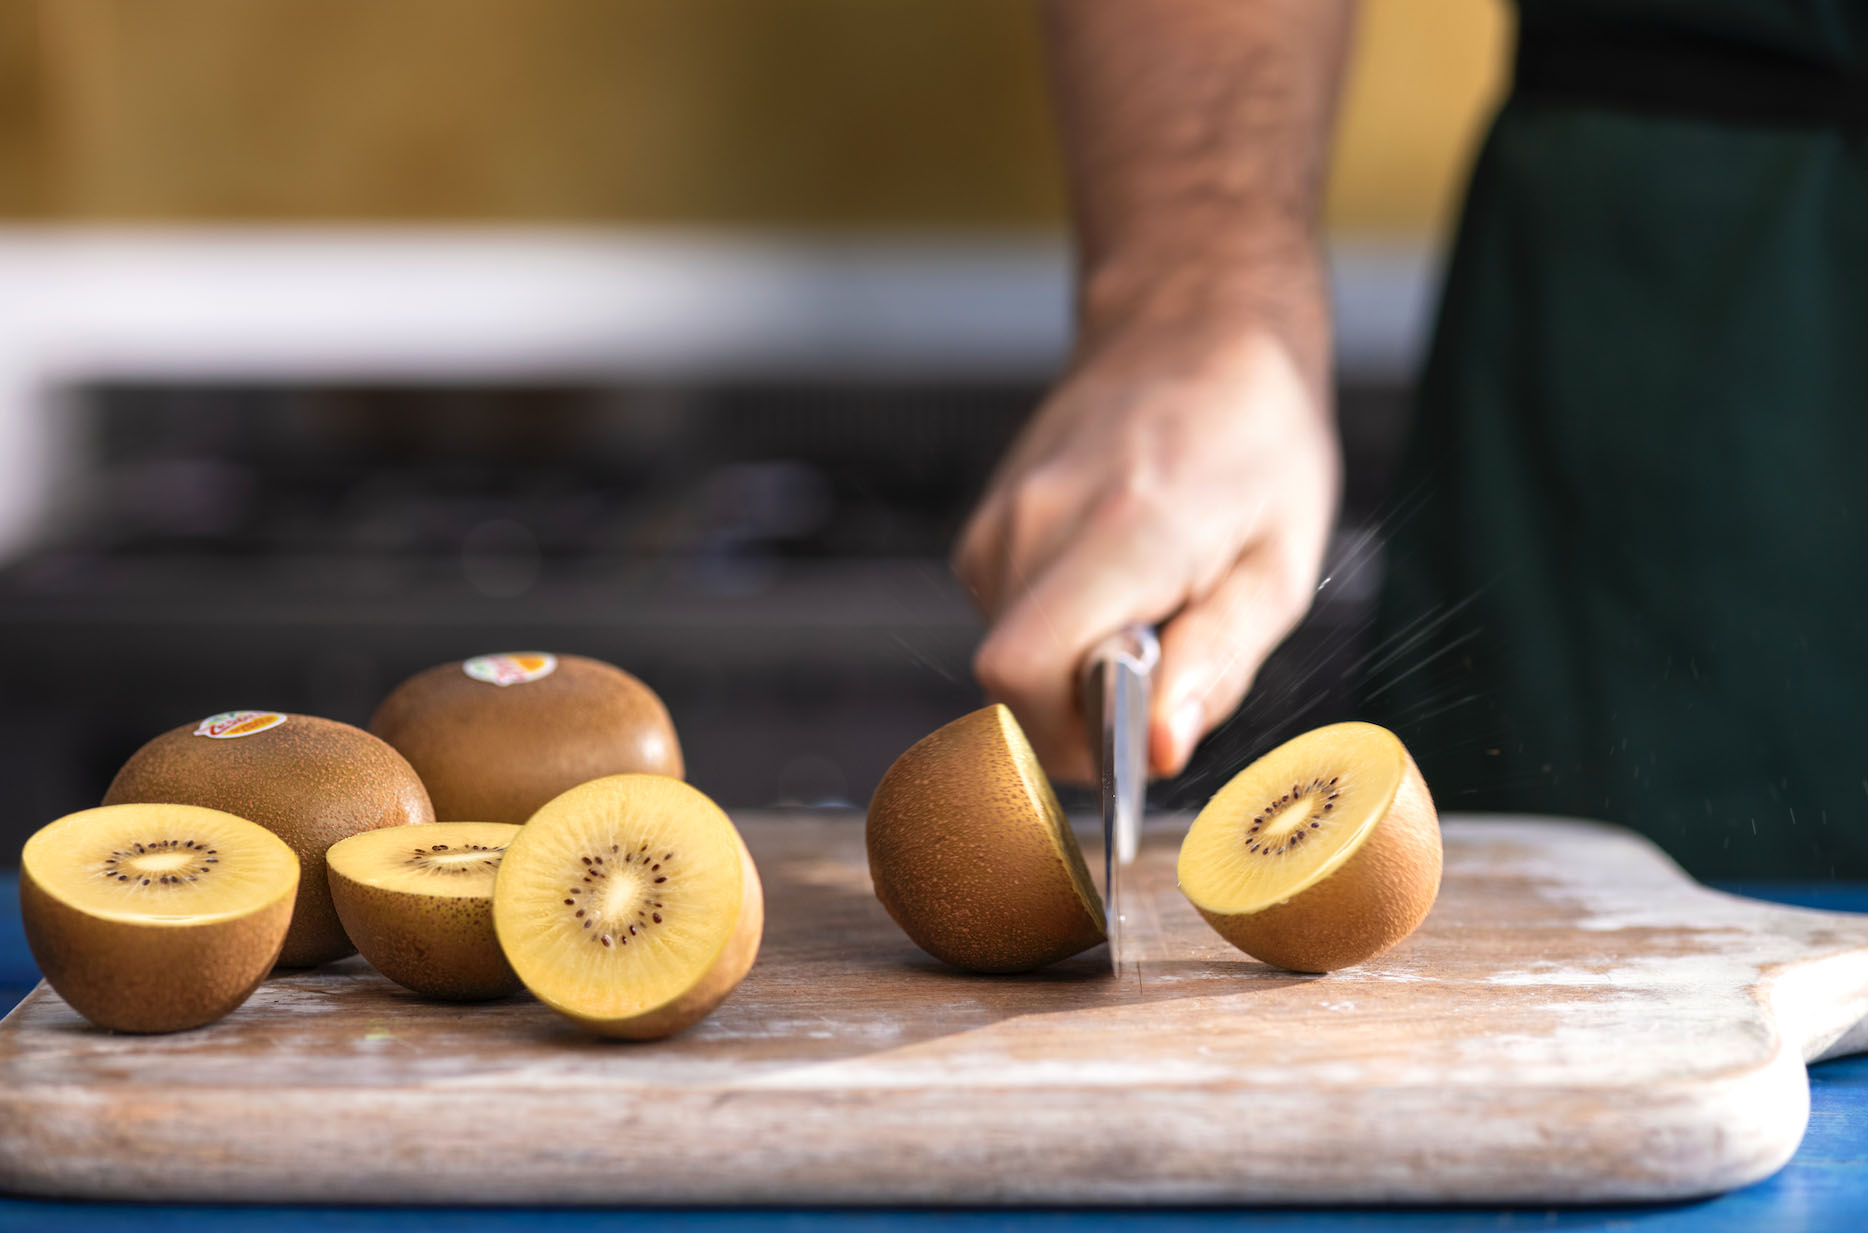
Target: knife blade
(1118, 675)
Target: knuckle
(967, 560)
(1134, 497)
(1000, 670)
(1039, 499)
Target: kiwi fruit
(1321, 854)
(309, 781)
(630, 905)
(972, 856)
(155, 918)
(496, 736)
(418, 903)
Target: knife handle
(1133, 647)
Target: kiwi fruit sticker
(229, 724)
(511, 668)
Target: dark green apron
(1628, 571)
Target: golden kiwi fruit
(155, 918)
(1323, 853)
(418, 903)
(496, 736)
(630, 905)
(972, 856)
(309, 781)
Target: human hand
(1178, 475)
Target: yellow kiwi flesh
(1322, 854)
(309, 781)
(155, 918)
(496, 736)
(972, 856)
(630, 905)
(417, 901)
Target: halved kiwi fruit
(496, 736)
(155, 918)
(972, 856)
(630, 905)
(1321, 854)
(418, 902)
(309, 781)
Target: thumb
(1210, 654)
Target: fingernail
(1184, 728)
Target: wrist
(1213, 296)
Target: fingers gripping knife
(1117, 678)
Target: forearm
(1196, 135)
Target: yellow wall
(1423, 82)
(785, 112)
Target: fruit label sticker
(513, 668)
(229, 724)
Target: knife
(1117, 677)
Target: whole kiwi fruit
(310, 781)
(496, 736)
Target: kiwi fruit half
(496, 736)
(155, 918)
(1321, 854)
(972, 856)
(629, 904)
(418, 902)
(309, 781)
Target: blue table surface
(1824, 1187)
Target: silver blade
(1117, 678)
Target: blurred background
(341, 337)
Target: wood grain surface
(1575, 1022)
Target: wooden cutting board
(1576, 1021)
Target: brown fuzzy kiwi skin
(962, 857)
(495, 753)
(735, 960)
(151, 978)
(310, 781)
(1372, 901)
(441, 946)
